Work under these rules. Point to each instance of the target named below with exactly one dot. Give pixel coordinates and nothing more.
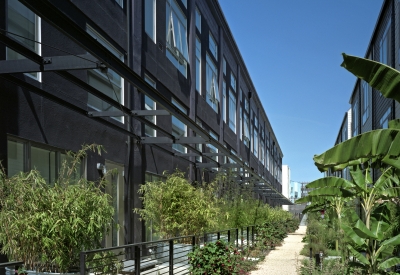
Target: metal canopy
(54, 63)
(63, 17)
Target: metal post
(218, 235)
(229, 236)
(82, 263)
(205, 238)
(310, 253)
(237, 237)
(137, 260)
(252, 235)
(248, 237)
(171, 257)
(193, 242)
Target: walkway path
(283, 260)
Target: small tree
(175, 207)
(47, 226)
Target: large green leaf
(330, 182)
(359, 178)
(358, 255)
(331, 191)
(380, 76)
(379, 144)
(380, 221)
(392, 241)
(361, 230)
(389, 263)
(352, 235)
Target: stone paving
(283, 259)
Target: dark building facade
(369, 109)
(160, 84)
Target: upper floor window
(246, 104)
(240, 123)
(366, 92)
(198, 65)
(184, 2)
(224, 109)
(27, 25)
(120, 2)
(384, 121)
(177, 47)
(255, 142)
(232, 111)
(150, 18)
(233, 82)
(213, 46)
(212, 84)
(107, 82)
(149, 104)
(198, 19)
(385, 46)
(179, 129)
(355, 118)
(212, 148)
(246, 132)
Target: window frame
(177, 147)
(198, 65)
(150, 32)
(212, 45)
(232, 111)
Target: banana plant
(378, 149)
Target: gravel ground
(283, 260)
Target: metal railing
(169, 256)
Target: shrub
(216, 258)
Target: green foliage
(105, 262)
(368, 238)
(216, 258)
(175, 207)
(329, 267)
(47, 226)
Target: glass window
(246, 135)
(224, 65)
(150, 18)
(267, 160)
(149, 104)
(198, 65)
(212, 95)
(240, 123)
(224, 110)
(384, 121)
(198, 20)
(120, 2)
(15, 157)
(107, 82)
(255, 143)
(262, 152)
(177, 47)
(232, 111)
(115, 189)
(213, 46)
(45, 162)
(233, 82)
(24, 23)
(212, 148)
(184, 2)
(179, 129)
(367, 90)
(385, 46)
(246, 104)
(199, 146)
(355, 118)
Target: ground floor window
(23, 156)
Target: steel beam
(207, 165)
(106, 114)
(150, 113)
(190, 140)
(156, 140)
(54, 63)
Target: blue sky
(292, 50)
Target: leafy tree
(379, 150)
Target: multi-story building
(160, 84)
(369, 109)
